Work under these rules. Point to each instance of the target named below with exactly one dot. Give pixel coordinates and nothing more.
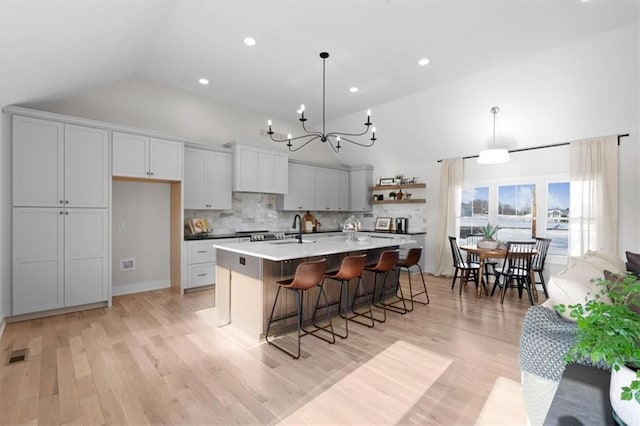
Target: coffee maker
(402, 225)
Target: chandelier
(494, 155)
(334, 139)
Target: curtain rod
(540, 147)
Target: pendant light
(494, 155)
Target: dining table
(496, 253)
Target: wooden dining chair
(468, 270)
(542, 247)
(516, 270)
(489, 264)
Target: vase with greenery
(392, 195)
(488, 233)
(609, 333)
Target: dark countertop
(210, 236)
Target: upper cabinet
(314, 187)
(207, 180)
(257, 170)
(360, 179)
(144, 157)
(301, 195)
(56, 164)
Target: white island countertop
(279, 250)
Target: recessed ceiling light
(250, 41)
(353, 89)
(203, 81)
(423, 61)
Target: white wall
(144, 209)
(153, 106)
(583, 89)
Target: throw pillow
(569, 291)
(634, 304)
(633, 268)
(609, 256)
(633, 258)
(582, 271)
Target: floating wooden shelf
(403, 201)
(405, 186)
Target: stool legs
(368, 313)
(342, 311)
(424, 286)
(390, 306)
(301, 331)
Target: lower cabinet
(60, 258)
(201, 263)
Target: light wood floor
(158, 358)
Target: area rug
(381, 391)
(504, 406)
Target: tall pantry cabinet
(60, 215)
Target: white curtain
(593, 214)
(449, 212)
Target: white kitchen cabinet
(343, 190)
(326, 189)
(207, 180)
(56, 164)
(257, 170)
(201, 263)
(360, 180)
(60, 258)
(301, 194)
(140, 156)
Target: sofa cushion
(570, 291)
(581, 270)
(615, 263)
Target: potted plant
(392, 195)
(488, 232)
(609, 332)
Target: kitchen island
(247, 272)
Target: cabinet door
(196, 179)
(219, 181)
(343, 190)
(326, 185)
(301, 194)
(130, 155)
(245, 173)
(359, 182)
(37, 259)
(165, 160)
(280, 174)
(201, 274)
(37, 162)
(265, 172)
(86, 255)
(86, 163)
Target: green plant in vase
(609, 332)
(488, 232)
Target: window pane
(515, 204)
(558, 217)
(474, 210)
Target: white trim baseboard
(119, 290)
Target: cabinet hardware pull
(202, 251)
(61, 212)
(67, 213)
(61, 202)
(66, 201)
(151, 173)
(202, 275)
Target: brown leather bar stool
(307, 276)
(413, 259)
(386, 263)
(350, 269)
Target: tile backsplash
(253, 211)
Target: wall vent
(127, 264)
(17, 356)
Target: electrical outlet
(127, 264)
(121, 225)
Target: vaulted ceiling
(56, 49)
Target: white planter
(627, 411)
(487, 244)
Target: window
(474, 210)
(539, 204)
(515, 208)
(558, 217)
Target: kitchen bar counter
(214, 236)
(247, 272)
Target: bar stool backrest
(388, 260)
(351, 267)
(413, 257)
(309, 274)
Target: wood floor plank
(158, 357)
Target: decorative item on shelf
(609, 333)
(488, 233)
(392, 195)
(310, 223)
(494, 155)
(332, 138)
(351, 225)
(399, 195)
(199, 225)
(398, 179)
(408, 196)
(383, 223)
(386, 181)
(380, 197)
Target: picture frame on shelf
(386, 181)
(383, 223)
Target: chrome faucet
(299, 219)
